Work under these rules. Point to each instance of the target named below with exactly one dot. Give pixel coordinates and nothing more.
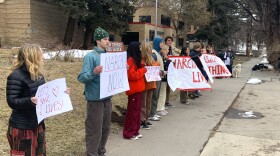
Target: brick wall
(2, 22)
(33, 21)
(48, 24)
(16, 21)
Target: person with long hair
(146, 50)
(135, 73)
(25, 135)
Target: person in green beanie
(98, 115)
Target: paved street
(186, 129)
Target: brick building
(142, 26)
(33, 21)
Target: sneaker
(149, 124)
(185, 103)
(169, 105)
(165, 111)
(154, 118)
(145, 126)
(161, 113)
(139, 135)
(134, 138)
(158, 116)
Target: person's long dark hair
(183, 51)
(134, 51)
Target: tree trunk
(68, 36)
(88, 37)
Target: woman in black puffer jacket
(25, 135)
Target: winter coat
(19, 90)
(135, 76)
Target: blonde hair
(30, 55)
(196, 45)
(146, 47)
(165, 47)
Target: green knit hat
(100, 33)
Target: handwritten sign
(113, 78)
(152, 73)
(115, 47)
(205, 67)
(52, 99)
(172, 79)
(215, 65)
(188, 74)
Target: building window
(181, 42)
(130, 19)
(165, 20)
(129, 37)
(152, 34)
(145, 19)
(181, 25)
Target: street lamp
(156, 20)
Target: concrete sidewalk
(257, 136)
(186, 128)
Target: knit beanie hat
(100, 33)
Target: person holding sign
(172, 51)
(146, 51)
(162, 93)
(157, 45)
(98, 117)
(25, 135)
(136, 82)
(184, 95)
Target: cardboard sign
(113, 78)
(115, 47)
(215, 65)
(52, 99)
(188, 74)
(152, 73)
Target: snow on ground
(73, 52)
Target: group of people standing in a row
(147, 101)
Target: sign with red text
(115, 47)
(113, 79)
(206, 69)
(52, 99)
(172, 79)
(215, 65)
(152, 73)
(188, 74)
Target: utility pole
(156, 19)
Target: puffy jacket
(20, 88)
(136, 78)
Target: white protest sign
(216, 66)
(113, 78)
(152, 73)
(52, 99)
(172, 79)
(188, 74)
(205, 67)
